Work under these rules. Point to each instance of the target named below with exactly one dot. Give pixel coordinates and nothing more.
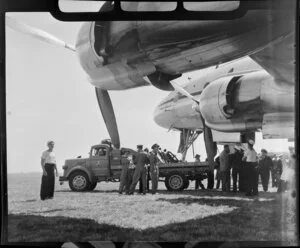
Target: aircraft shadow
(247, 222)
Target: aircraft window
(75, 6)
(148, 6)
(212, 6)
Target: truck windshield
(99, 151)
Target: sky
(48, 97)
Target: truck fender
(80, 168)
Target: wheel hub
(79, 182)
(175, 182)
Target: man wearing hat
(251, 169)
(154, 171)
(140, 160)
(146, 151)
(140, 147)
(197, 158)
(265, 165)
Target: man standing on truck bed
(154, 172)
(140, 160)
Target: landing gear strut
(187, 138)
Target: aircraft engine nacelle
(162, 81)
(238, 102)
(102, 74)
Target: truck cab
(103, 164)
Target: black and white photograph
(152, 130)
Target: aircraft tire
(79, 181)
(176, 181)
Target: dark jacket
(153, 161)
(217, 163)
(265, 164)
(140, 160)
(236, 159)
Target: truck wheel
(187, 184)
(92, 186)
(175, 181)
(79, 181)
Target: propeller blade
(181, 90)
(108, 116)
(36, 33)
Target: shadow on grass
(53, 210)
(215, 192)
(250, 221)
(30, 200)
(94, 191)
(211, 202)
(212, 193)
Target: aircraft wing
(279, 59)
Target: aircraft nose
(163, 116)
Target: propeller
(102, 95)
(108, 116)
(36, 33)
(210, 145)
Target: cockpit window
(75, 6)
(212, 5)
(148, 6)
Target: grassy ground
(249, 221)
(194, 216)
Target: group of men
(141, 166)
(246, 169)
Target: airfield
(190, 215)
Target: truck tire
(187, 184)
(175, 181)
(92, 186)
(79, 181)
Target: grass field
(186, 216)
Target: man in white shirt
(48, 163)
(251, 169)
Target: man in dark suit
(154, 170)
(236, 164)
(140, 160)
(265, 165)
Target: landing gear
(187, 138)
